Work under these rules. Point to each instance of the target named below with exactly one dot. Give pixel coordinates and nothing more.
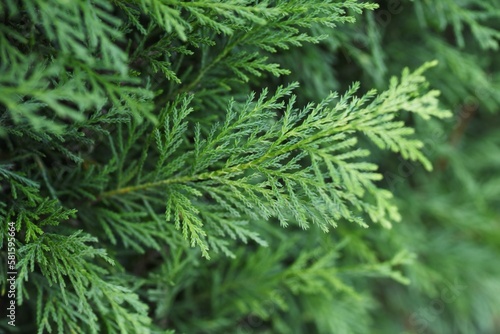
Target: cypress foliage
(210, 166)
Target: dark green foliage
(185, 166)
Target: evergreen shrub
(250, 166)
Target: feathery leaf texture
(269, 159)
(140, 138)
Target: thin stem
(203, 71)
(214, 174)
(45, 177)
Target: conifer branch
(134, 148)
(321, 137)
